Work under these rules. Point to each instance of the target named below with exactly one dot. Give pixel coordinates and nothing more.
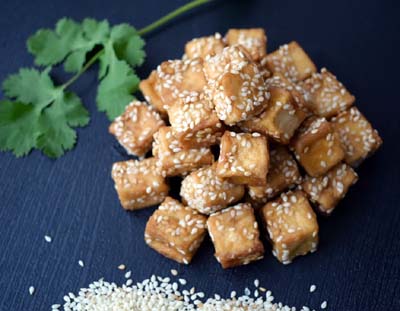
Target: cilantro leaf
(20, 86)
(42, 117)
(116, 88)
(17, 127)
(127, 44)
(70, 41)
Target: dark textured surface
(357, 266)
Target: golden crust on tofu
(134, 129)
(326, 95)
(358, 137)
(174, 79)
(204, 46)
(291, 61)
(234, 232)
(151, 93)
(139, 184)
(279, 120)
(326, 191)
(175, 231)
(279, 81)
(283, 173)
(317, 147)
(292, 226)
(194, 121)
(254, 40)
(235, 85)
(206, 192)
(174, 160)
(244, 158)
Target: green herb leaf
(116, 88)
(70, 41)
(41, 117)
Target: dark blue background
(72, 199)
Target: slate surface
(73, 200)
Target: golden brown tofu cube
(292, 226)
(326, 191)
(317, 146)
(174, 79)
(279, 120)
(139, 184)
(358, 137)
(172, 159)
(194, 120)
(279, 81)
(283, 173)
(206, 192)
(244, 158)
(254, 40)
(231, 58)
(134, 129)
(175, 231)
(234, 232)
(239, 91)
(204, 46)
(326, 96)
(151, 92)
(291, 61)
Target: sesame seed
(121, 267)
(174, 272)
(324, 305)
(48, 238)
(31, 290)
(80, 262)
(313, 288)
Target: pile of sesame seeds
(170, 294)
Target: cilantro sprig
(37, 114)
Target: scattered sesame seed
(128, 274)
(31, 290)
(324, 305)
(174, 272)
(313, 288)
(80, 262)
(122, 267)
(48, 238)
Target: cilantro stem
(90, 62)
(158, 23)
(165, 19)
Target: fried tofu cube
(194, 120)
(172, 159)
(317, 146)
(326, 191)
(173, 79)
(279, 120)
(244, 158)
(238, 91)
(326, 95)
(299, 94)
(139, 184)
(235, 235)
(175, 231)
(291, 61)
(283, 173)
(358, 137)
(206, 192)
(292, 226)
(134, 129)
(254, 40)
(150, 89)
(204, 46)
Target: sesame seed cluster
(260, 141)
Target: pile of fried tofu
(261, 141)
